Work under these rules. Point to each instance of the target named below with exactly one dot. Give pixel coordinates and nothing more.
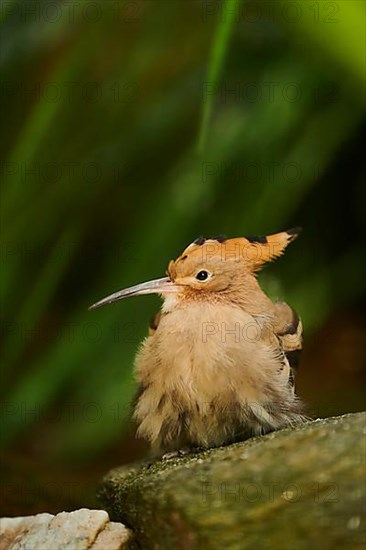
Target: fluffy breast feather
(202, 362)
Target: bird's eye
(202, 275)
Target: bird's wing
(154, 323)
(288, 328)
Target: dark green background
(130, 128)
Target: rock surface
(79, 530)
(293, 489)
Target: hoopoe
(219, 362)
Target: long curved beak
(156, 286)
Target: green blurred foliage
(129, 129)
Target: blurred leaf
(229, 10)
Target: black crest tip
(256, 239)
(199, 241)
(294, 232)
(219, 238)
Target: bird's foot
(181, 452)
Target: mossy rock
(300, 489)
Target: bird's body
(218, 364)
(212, 374)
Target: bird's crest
(252, 252)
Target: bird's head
(216, 265)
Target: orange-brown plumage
(216, 366)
